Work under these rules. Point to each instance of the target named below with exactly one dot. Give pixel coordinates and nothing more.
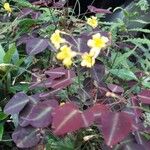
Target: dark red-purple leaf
(56, 72)
(88, 118)
(115, 88)
(98, 71)
(135, 118)
(97, 111)
(115, 126)
(26, 137)
(98, 10)
(41, 114)
(16, 103)
(65, 81)
(68, 118)
(144, 96)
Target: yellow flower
(87, 60)
(7, 7)
(66, 55)
(92, 22)
(56, 39)
(62, 103)
(97, 43)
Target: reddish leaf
(68, 118)
(115, 88)
(97, 111)
(63, 82)
(115, 127)
(144, 96)
(56, 79)
(98, 10)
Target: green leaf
(26, 24)
(122, 58)
(1, 131)
(138, 41)
(140, 30)
(146, 82)
(9, 54)
(123, 74)
(24, 3)
(3, 116)
(2, 54)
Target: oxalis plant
(72, 83)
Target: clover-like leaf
(115, 127)
(68, 118)
(26, 137)
(41, 114)
(115, 88)
(16, 103)
(144, 96)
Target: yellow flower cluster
(7, 7)
(96, 44)
(56, 39)
(66, 54)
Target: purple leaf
(16, 103)
(56, 72)
(115, 127)
(23, 39)
(57, 78)
(144, 96)
(97, 111)
(68, 118)
(34, 99)
(133, 146)
(41, 114)
(43, 83)
(115, 88)
(51, 93)
(59, 4)
(98, 10)
(98, 71)
(36, 45)
(63, 82)
(26, 137)
(24, 12)
(35, 15)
